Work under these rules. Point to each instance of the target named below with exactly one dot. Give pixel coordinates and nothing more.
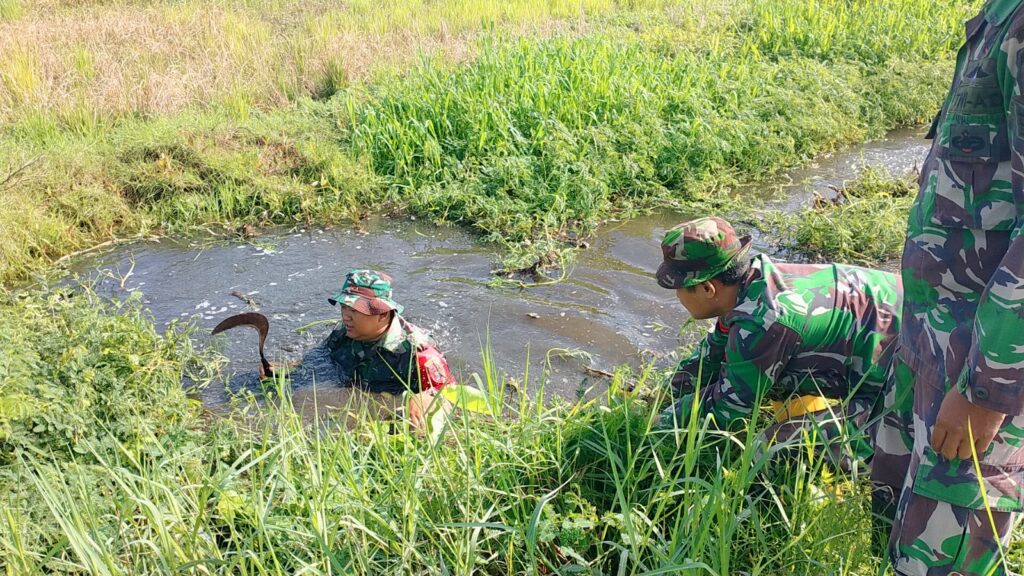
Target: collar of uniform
(997, 11)
(395, 337)
(757, 265)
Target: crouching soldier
(379, 351)
(783, 331)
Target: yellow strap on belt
(798, 407)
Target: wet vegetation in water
(532, 142)
(864, 222)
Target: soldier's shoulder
(417, 338)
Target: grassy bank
(118, 473)
(138, 483)
(864, 222)
(96, 59)
(532, 142)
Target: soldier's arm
(703, 365)
(993, 376)
(754, 359)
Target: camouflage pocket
(974, 138)
(957, 482)
(970, 184)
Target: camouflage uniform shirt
(404, 358)
(825, 330)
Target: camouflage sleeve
(703, 365)
(993, 375)
(754, 359)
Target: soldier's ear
(708, 289)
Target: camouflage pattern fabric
(963, 265)
(366, 291)
(699, 250)
(404, 358)
(799, 329)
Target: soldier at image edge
(949, 461)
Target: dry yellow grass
(82, 59)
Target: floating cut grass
(865, 223)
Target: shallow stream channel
(607, 311)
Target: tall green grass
(147, 486)
(608, 128)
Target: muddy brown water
(608, 306)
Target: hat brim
(673, 275)
(669, 276)
(365, 305)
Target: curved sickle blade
(260, 323)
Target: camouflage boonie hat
(366, 291)
(698, 250)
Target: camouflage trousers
(838, 434)
(942, 521)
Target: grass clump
(80, 374)
(865, 223)
(11, 10)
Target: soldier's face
(699, 301)
(364, 327)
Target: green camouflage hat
(698, 250)
(366, 291)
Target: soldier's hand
(419, 407)
(950, 436)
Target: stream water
(608, 306)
